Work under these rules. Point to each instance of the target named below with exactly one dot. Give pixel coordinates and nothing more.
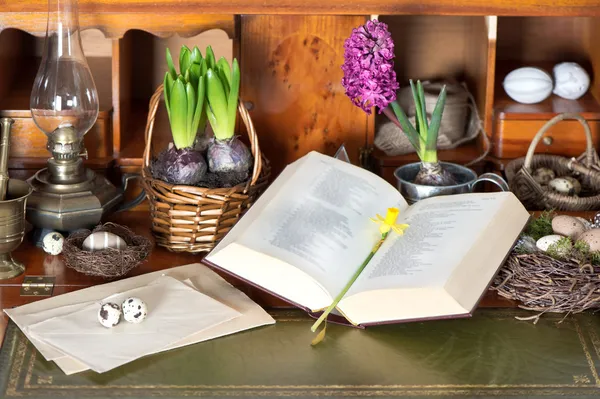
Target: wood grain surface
(292, 79)
(331, 7)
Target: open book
(310, 231)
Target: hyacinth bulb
(64, 93)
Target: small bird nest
(109, 262)
(542, 283)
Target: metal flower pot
(466, 178)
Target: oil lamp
(64, 105)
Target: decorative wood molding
(115, 24)
(331, 7)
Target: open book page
(443, 230)
(318, 221)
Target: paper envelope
(198, 275)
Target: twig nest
(543, 175)
(545, 242)
(108, 262)
(102, 240)
(592, 238)
(134, 310)
(567, 226)
(109, 315)
(52, 243)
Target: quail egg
(134, 310)
(109, 315)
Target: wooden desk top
(39, 263)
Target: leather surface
(490, 355)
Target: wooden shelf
(506, 108)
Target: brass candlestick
(14, 195)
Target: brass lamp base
(9, 267)
(71, 206)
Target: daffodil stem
(349, 284)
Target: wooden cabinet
(290, 54)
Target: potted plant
(207, 178)
(370, 81)
(203, 90)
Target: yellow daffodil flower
(389, 222)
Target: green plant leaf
(436, 121)
(196, 56)
(421, 127)
(210, 58)
(224, 74)
(232, 100)
(167, 87)
(199, 120)
(191, 107)
(195, 71)
(203, 67)
(423, 104)
(184, 59)
(217, 102)
(179, 108)
(409, 130)
(170, 65)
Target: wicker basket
(195, 219)
(534, 196)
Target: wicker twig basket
(534, 196)
(193, 219)
(544, 284)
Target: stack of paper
(186, 305)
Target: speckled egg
(562, 186)
(592, 238)
(109, 315)
(52, 243)
(543, 175)
(567, 226)
(596, 221)
(134, 310)
(544, 242)
(575, 182)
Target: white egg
(544, 242)
(101, 240)
(109, 315)
(53, 243)
(571, 81)
(134, 310)
(528, 85)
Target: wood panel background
(292, 78)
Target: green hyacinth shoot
(185, 96)
(423, 136)
(222, 93)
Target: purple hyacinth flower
(369, 76)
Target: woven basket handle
(254, 147)
(589, 151)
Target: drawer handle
(547, 140)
